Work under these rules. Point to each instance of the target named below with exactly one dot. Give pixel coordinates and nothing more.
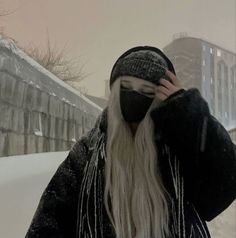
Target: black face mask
(134, 106)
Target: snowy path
(22, 181)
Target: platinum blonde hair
(139, 206)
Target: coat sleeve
(56, 214)
(183, 121)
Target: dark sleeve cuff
(180, 91)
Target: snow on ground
(224, 225)
(22, 181)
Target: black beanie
(145, 62)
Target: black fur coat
(197, 162)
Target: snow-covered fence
(38, 111)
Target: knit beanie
(145, 62)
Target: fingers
(162, 93)
(161, 96)
(166, 88)
(162, 89)
(166, 83)
(173, 78)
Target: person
(155, 164)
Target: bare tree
(56, 61)
(53, 59)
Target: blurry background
(55, 61)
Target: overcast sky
(97, 32)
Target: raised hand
(167, 88)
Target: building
(211, 69)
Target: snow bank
(22, 181)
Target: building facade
(211, 69)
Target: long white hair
(139, 201)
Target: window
(211, 50)
(222, 74)
(218, 52)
